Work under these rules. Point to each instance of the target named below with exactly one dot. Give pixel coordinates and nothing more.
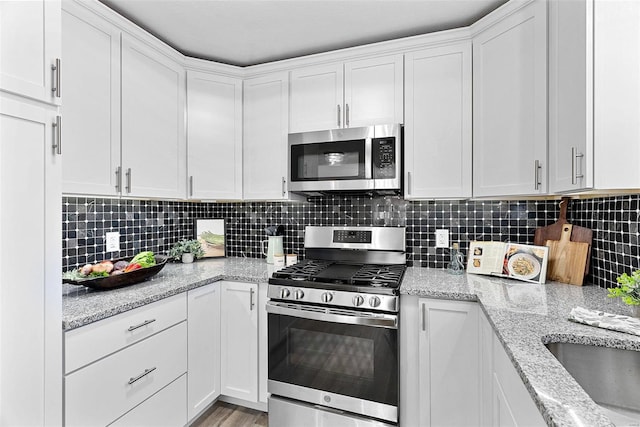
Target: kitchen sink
(610, 376)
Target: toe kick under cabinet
(129, 367)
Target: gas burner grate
(379, 275)
(304, 270)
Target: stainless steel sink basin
(610, 376)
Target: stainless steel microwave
(352, 159)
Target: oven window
(352, 360)
(328, 161)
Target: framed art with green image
(211, 233)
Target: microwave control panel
(383, 151)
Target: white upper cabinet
(29, 48)
(214, 136)
(437, 144)
(373, 91)
(358, 93)
(316, 98)
(153, 140)
(510, 105)
(91, 79)
(594, 94)
(266, 118)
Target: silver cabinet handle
(346, 115)
(191, 186)
(251, 303)
(409, 183)
(128, 186)
(118, 179)
(283, 186)
(55, 69)
(145, 323)
(537, 168)
(575, 156)
(142, 375)
(424, 317)
(57, 137)
(338, 115)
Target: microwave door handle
(388, 321)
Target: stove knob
(326, 297)
(284, 293)
(358, 300)
(298, 294)
(374, 301)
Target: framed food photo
(210, 232)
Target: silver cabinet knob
(374, 301)
(284, 293)
(298, 294)
(326, 297)
(358, 300)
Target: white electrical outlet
(113, 241)
(442, 238)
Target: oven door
(341, 359)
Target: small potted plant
(628, 290)
(186, 251)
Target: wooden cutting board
(554, 231)
(567, 259)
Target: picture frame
(212, 235)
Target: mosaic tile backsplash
(157, 225)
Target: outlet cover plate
(442, 238)
(112, 241)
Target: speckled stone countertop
(525, 316)
(81, 305)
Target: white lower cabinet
(165, 408)
(505, 399)
(448, 370)
(239, 340)
(454, 371)
(203, 348)
(129, 369)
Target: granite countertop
(524, 316)
(81, 305)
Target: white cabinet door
(486, 370)
(239, 340)
(214, 136)
(31, 294)
(512, 403)
(510, 105)
(437, 145)
(449, 369)
(266, 117)
(203, 347)
(617, 94)
(373, 91)
(91, 82)
(29, 47)
(153, 140)
(316, 98)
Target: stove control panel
(351, 236)
(334, 298)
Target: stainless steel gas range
(333, 330)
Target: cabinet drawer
(168, 407)
(101, 392)
(89, 343)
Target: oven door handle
(389, 321)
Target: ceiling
(249, 32)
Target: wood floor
(224, 414)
